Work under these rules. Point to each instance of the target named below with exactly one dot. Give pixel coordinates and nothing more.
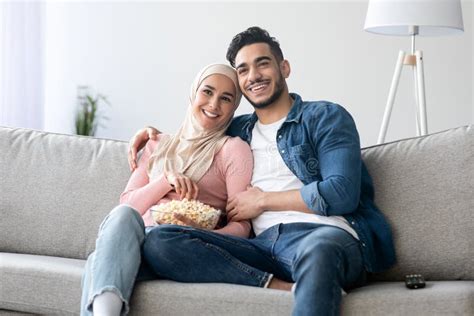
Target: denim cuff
(270, 278)
(313, 199)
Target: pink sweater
(229, 174)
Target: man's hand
(184, 186)
(137, 142)
(245, 205)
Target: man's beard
(280, 87)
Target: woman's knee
(124, 211)
(125, 214)
(121, 217)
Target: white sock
(107, 304)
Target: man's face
(259, 74)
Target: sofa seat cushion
(393, 298)
(5, 312)
(169, 298)
(52, 286)
(40, 284)
(389, 298)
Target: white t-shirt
(271, 175)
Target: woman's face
(214, 102)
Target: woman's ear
(285, 68)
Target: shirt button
(363, 244)
(283, 151)
(279, 136)
(353, 223)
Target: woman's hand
(184, 186)
(137, 142)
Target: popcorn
(204, 215)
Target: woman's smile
(210, 114)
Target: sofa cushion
(393, 298)
(6, 312)
(52, 286)
(40, 284)
(424, 186)
(183, 299)
(56, 189)
(178, 299)
(52, 182)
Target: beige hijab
(191, 151)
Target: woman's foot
(107, 304)
(278, 284)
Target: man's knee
(320, 249)
(323, 246)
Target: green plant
(87, 116)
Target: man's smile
(258, 86)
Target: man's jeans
(116, 261)
(321, 259)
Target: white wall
(144, 56)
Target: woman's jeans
(116, 261)
(320, 259)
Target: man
(311, 200)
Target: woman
(199, 162)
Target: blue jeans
(116, 263)
(320, 259)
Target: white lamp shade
(433, 17)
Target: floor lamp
(412, 18)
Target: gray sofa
(56, 189)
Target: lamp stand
(415, 60)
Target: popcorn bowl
(202, 214)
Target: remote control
(414, 281)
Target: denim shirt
(319, 143)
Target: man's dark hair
(253, 35)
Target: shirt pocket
(304, 162)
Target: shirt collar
(296, 109)
(293, 116)
(248, 126)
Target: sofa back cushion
(425, 188)
(56, 189)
